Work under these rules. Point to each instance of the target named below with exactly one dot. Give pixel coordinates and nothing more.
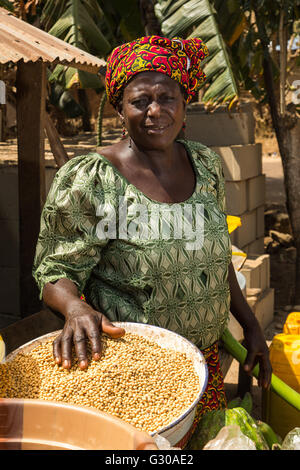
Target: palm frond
(76, 22)
(7, 5)
(197, 18)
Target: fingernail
(97, 356)
(66, 363)
(82, 364)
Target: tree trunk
(287, 129)
(291, 169)
(149, 19)
(83, 101)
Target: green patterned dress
(131, 256)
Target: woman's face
(153, 109)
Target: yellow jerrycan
(292, 324)
(285, 360)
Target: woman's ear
(119, 109)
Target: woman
(108, 229)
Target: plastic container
(292, 324)
(233, 223)
(179, 428)
(285, 360)
(46, 425)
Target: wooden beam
(59, 152)
(31, 101)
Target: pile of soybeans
(135, 380)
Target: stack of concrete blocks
(9, 244)
(232, 136)
(260, 295)
(9, 241)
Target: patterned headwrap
(178, 58)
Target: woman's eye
(141, 102)
(166, 99)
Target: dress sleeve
(68, 246)
(213, 163)
(220, 182)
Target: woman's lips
(156, 129)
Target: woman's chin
(156, 140)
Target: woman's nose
(154, 109)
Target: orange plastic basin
(46, 425)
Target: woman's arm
(255, 343)
(83, 324)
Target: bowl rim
(145, 325)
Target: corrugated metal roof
(22, 41)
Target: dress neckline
(154, 201)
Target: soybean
(135, 379)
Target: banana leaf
(77, 23)
(127, 16)
(79, 28)
(197, 18)
(69, 77)
(231, 19)
(7, 5)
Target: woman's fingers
(79, 340)
(94, 336)
(62, 350)
(265, 373)
(265, 370)
(250, 362)
(57, 350)
(66, 350)
(78, 332)
(110, 329)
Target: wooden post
(31, 101)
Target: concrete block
(265, 271)
(6, 320)
(220, 127)
(260, 222)
(256, 270)
(9, 291)
(245, 234)
(256, 192)
(235, 328)
(236, 197)
(9, 243)
(262, 304)
(255, 247)
(9, 201)
(240, 162)
(264, 308)
(33, 326)
(252, 272)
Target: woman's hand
(255, 342)
(83, 324)
(258, 353)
